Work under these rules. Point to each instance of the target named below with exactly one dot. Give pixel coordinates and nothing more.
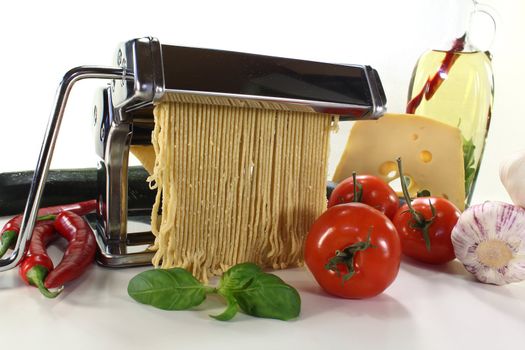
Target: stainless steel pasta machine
(144, 73)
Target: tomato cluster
(354, 248)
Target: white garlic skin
(512, 175)
(491, 222)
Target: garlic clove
(489, 239)
(512, 173)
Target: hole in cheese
(425, 156)
(415, 137)
(443, 174)
(388, 169)
(392, 174)
(395, 184)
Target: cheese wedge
(145, 155)
(432, 155)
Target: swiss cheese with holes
(432, 154)
(145, 155)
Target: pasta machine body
(146, 72)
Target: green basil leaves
(238, 276)
(469, 162)
(174, 289)
(244, 287)
(268, 296)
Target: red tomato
(375, 192)
(412, 239)
(342, 226)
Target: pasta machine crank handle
(46, 152)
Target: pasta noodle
(234, 184)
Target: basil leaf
(173, 289)
(231, 309)
(268, 296)
(469, 161)
(238, 276)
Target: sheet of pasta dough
(236, 184)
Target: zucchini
(69, 186)
(76, 185)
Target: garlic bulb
(489, 239)
(512, 173)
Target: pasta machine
(144, 72)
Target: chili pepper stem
(8, 238)
(36, 276)
(46, 217)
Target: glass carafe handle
(481, 30)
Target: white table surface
(425, 308)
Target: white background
(42, 40)
(426, 308)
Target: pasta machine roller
(145, 72)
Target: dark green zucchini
(75, 185)
(69, 186)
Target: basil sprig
(469, 161)
(174, 289)
(268, 296)
(244, 287)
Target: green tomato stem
(354, 178)
(415, 215)
(419, 220)
(347, 257)
(358, 188)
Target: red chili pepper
(11, 229)
(79, 253)
(43, 234)
(37, 264)
(433, 83)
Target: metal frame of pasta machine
(144, 72)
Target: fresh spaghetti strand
(235, 183)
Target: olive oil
(456, 88)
